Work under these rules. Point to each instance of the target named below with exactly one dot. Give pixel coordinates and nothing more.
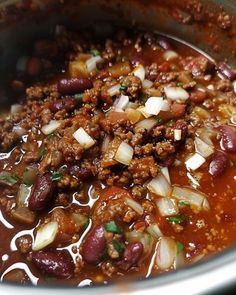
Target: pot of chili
(117, 150)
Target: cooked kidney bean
(177, 110)
(226, 71)
(68, 103)
(131, 255)
(228, 138)
(55, 263)
(181, 125)
(218, 164)
(80, 172)
(198, 96)
(42, 192)
(73, 85)
(94, 245)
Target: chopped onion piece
(19, 130)
(160, 186)
(147, 84)
(167, 207)
(154, 230)
(142, 110)
(105, 143)
(124, 153)
(22, 194)
(91, 63)
(194, 162)
(176, 93)
(177, 134)
(50, 127)
(203, 148)
(153, 105)
(139, 72)
(134, 205)
(16, 108)
(211, 87)
(165, 172)
(114, 90)
(147, 124)
(121, 102)
(165, 106)
(166, 253)
(194, 198)
(45, 235)
(170, 54)
(133, 115)
(83, 138)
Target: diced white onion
(121, 102)
(160, 186)
(194, 162)
(114, 90)
(16, 108)
(147, 124)
(176, 93)
(142, 110)
(105, 143)
(211, 87)
(154, 230)
(206, 134)
(165, 172)
(83, 138)
(134, 205)
(167, 207)
(21, 63)
(50, 127)
(154, 105)
(203, 148)
(124, 153)
(165, 106)
(177, 134)
(147, 84)
(133, 115)
(22, 194)
(170, 54)
(139, 72)
(19, 130)
(166, 253)
(45, 235)
(194, 198)
(91, 63)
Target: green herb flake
(178, 219)
(8, 179)
(79, 96)
(119, 247)
(51, 135)
(179, 84)
(42, 151)
(112, 227)
(180, 247)
(56, 176)
(158, 119)
(184, 203)
(143, 98)
(95, 52)
(123, 87)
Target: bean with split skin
(227, 71)
(131, 255)
(94, 245)
(41, 193)
(218, 164)
(73, 85)
(55, 263)
(68, 103)
(228, 138)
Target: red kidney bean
(181, 125)
(73, 85)
(41, 193)
(68, 103)
(55, 263)
(80, 172)
(198, 96)
(131, 255)
(228, 138)
(218, 164)
(177, 110)
(94, 245)
(226, 71)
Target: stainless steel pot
(20, 25)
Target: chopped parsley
(179, 84)
(8, 179)
(184, 203)
(158, 119)
(56, 176)
(180, 247)
(79, 96)
(178, 219)
(112, 227)
(51, 135)
(143, 98)
(123, 87)
(95, 52)
(42, 151)
(119, 247)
